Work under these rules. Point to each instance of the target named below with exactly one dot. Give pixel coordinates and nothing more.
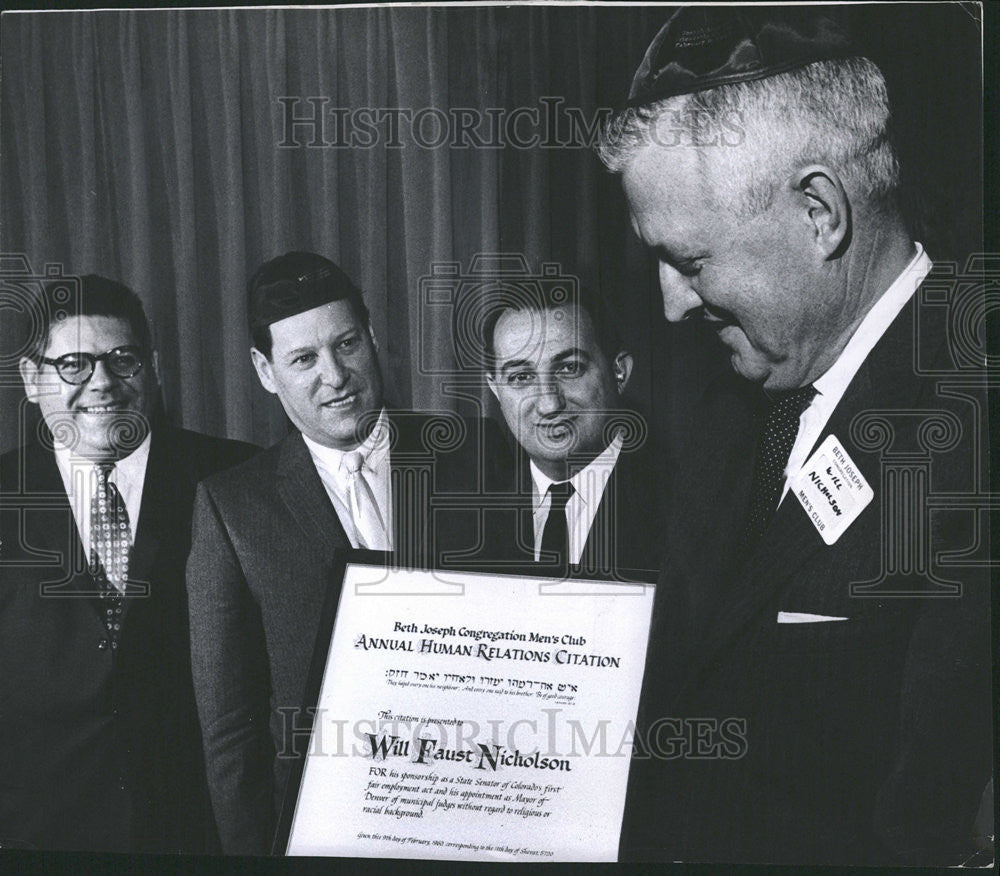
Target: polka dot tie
(555, 535)
(776, 442)
(110, 544)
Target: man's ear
(29, 376)
(492, 384)
(264, 370)
(155, 358)
(828, 209)
(623, 370)
(371, 334)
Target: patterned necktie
(555, 535)
(110, 546)
(776, 442)
(368, 523)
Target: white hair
(754, 134)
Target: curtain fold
(156, 147)
(167, 149)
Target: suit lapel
(157, 509)
(304, 496)
(405, 429)
(54, 528)
(885, 380)
(526, 507)
(613, 532)
(604, 533)
(790, 539)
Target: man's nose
(333, 370)
(680, 301)
(101, 378)
(550, 399)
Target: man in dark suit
(352, 474)
(817, 690)
(586, 474)
(99, 739)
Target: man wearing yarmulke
(350, 474)
(818, 684)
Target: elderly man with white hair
(804, 612)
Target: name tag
(831, 489)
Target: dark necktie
(110, 545)
(555, 535)
(776, 441)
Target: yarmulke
(294, 283)
(703, 47)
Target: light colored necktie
(368, 523)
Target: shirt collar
(374, 448)
(129, 470)
(596, 473)
(837, 378)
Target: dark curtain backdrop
(146, 145)
(151, 146)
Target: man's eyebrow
(672, 256)
(513, 364)
(571, 353)
(298, 350)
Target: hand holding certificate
(472, 716)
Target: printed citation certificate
(481, 716)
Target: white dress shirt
(80, 480)
(830, 388)
(581, 508)
(375, 450)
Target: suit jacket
(864, 741)
(100, 747)
(260, 568)
(627, 530)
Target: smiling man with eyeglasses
(99, 740)
(77, 368)
(94, 377)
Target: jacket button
(102, 644)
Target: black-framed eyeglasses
(77, 368)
